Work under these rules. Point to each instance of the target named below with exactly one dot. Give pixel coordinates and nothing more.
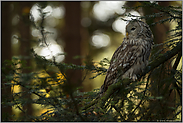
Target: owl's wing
(122, 60)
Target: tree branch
(168, 55)
(112, 88)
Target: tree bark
(25, 44)
(6, 55)
(72, 39)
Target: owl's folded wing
(122, 60)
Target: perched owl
(132, 56)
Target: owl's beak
(127, 34)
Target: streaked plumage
(132, 55)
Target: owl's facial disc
(132, 30)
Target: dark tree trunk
(158, 85)
(6, 55)
(25, 44)
(72, 38)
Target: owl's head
(137, 28)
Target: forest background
(63, 49)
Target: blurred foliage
(145, 100)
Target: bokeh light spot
(58, 12)
(100, 40)
(103, 10)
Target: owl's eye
(132, 28)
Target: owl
(131, 57)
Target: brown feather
(131, 56)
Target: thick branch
(168, 55)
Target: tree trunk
(25, 43)
(6, 55)
(72, 39)
(158, 85)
